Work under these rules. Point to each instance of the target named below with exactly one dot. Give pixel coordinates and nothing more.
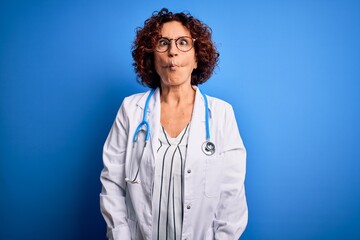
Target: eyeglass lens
(184, 44)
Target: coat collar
(153, 101)
(199, 106)
(154, 105)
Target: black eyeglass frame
(176, 44)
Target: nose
(173, 50)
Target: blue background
(291, 69)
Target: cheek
(193, 63)
(157, 63)
(159, 57)
(193, 60)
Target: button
(188, 206)
(189, 171)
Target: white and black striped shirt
(168, 186)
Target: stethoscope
(207, 147)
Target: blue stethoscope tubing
(208, 147)
(144, 120)
(207, 128)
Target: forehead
(174, 29)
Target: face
(174, 66)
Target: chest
(175, 119)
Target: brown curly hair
(146, 38)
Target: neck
(177, 95)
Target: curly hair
(146, 38)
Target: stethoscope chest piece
(208, 148)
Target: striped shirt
(168, 186)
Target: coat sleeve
(232, 212)
(112, 196)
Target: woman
(174, 162)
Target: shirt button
(188, 206)
(189, 171)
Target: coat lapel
(154, 121)
(197, 131)
(153, 117)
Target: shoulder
(129, 105)
(136, 101)
(133, 99)
(219, 105)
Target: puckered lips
(171, 65)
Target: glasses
(184, 44)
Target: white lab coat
(214, 195)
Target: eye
(183, 41)
(163, 42)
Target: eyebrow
(174, 38)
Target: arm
(112, 196)
(232, 213)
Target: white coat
(214, 195)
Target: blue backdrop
(291, 69)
